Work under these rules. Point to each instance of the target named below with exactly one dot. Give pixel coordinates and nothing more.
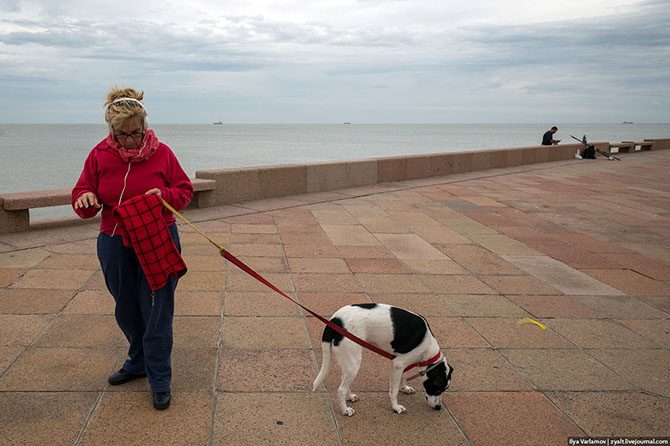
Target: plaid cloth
(150, 238)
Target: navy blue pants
(145, 318)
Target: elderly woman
(129, 162)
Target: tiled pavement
(582, 246)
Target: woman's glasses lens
(124, 135)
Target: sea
(49, 156)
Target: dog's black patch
(368, 306)
(331, 336)
(409, 330)
(437, 380)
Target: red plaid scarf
(150, 238)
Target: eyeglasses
(124, 136)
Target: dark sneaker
(122, 377)
(161, 400)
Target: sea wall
(229, 186)
(257, 183)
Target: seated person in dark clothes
(548, 137)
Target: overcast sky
(364, 61)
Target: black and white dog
(392, 329)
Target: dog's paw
(352, 397)
(349, 412)
(408, 390)
(399, 409)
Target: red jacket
(104, 173)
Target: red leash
(240, 264)
(244, 267)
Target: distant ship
(218, 123)
(627, 122)
(347, 122)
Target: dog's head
(436, 381)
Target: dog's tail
(325, 364)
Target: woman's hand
(87, 200)
(155, 190)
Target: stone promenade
(581, 246)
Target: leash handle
(244, 267)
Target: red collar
(431, 361)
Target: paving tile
(643, 368)
(261, 333)
(622, 307)
(349, 235)
(483, 370)
(334, 217)
(325, 282)
(556, 369)
(598, 333)
(27, 301)
(410, 246)
(70, 261)
(79, 370)
(129, 418)
(203, 281)
(319, 238)
(269, 303)
(660, 302)
(588, 243)
(196, 331)
(21, 330)
(254, 238)
(243, 370)
(511, 285)
(27, 258)
(508, 333)
(43, 417)
(554, 306)
(246, 228)
(64, 279)
(198, 303)
(325, 303)
(311, 250)
(273, 418)
(453, 332)
(364, 252)
(9, 275)
(201, 263)
(629, 282)
(482, 306)
(391, 283)
(267, 264)
(256, 250)
(456, 284)
(238, 280)
(383, 225)
(641, 264)
(375, 423)
(616, 414)
(479, 260)
(96, 282)
(326, 266)
(503, 245)
(427, 305)
(7, 356)
(568, 280)
(389, 266)
(90, 302)
(519, 418)
(82, 330)
(444, 266)
(656, 330)
(75, 247)
(438, 234)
